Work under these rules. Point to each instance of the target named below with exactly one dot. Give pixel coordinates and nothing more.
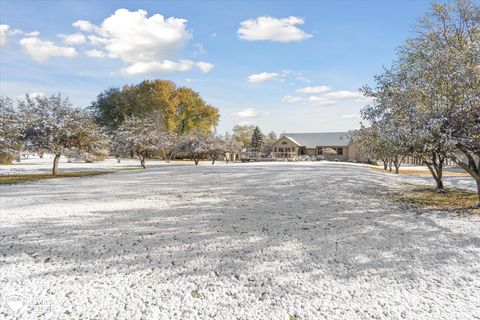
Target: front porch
(329, 153)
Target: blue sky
(292, 66)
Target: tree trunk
(166, 156)
(478, 192)
(472, 166)
(436, 169)
(214, 158)
(55, 164)
(142, 162)
(390, 165)
(385, 165)
(398, 162)
(440, 187)
(196, 160)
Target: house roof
(319, 139)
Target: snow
(37, 165)
(460, 182)
(315, 240)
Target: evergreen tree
(257, 139)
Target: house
(331, 145)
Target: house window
(275, 149)
(284, 142)
(339, 151)
(320, 151)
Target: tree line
(146, 120)
(254, 143)
(427, 104)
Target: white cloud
(350, 116)
(324, 96)
(320, 101)
(318, 89)
(15, 32)
(147, 44)
(83, 25)
(94, 53)
(204, 67)
(245, 123)
(134, 37)
(303, 79)
(344, 94)
(3, 33)
(247, 113)
(41, 50)
(199, 49)
(31, 95)
(261, 77)
(73, 39)
(273, 29)
(31, 34)
(36, 94)
(96, 40)
(165, 66)
(292, 99)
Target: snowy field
(239, 241)
(36, 165)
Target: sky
(287, 66)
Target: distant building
(330, 145)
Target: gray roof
(319, 139)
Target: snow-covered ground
(36, 165)
(237, 241)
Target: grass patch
(197, 294)
(130, 169)
(427, 197)
(30, 177)
(422, 172)
(19, 164)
